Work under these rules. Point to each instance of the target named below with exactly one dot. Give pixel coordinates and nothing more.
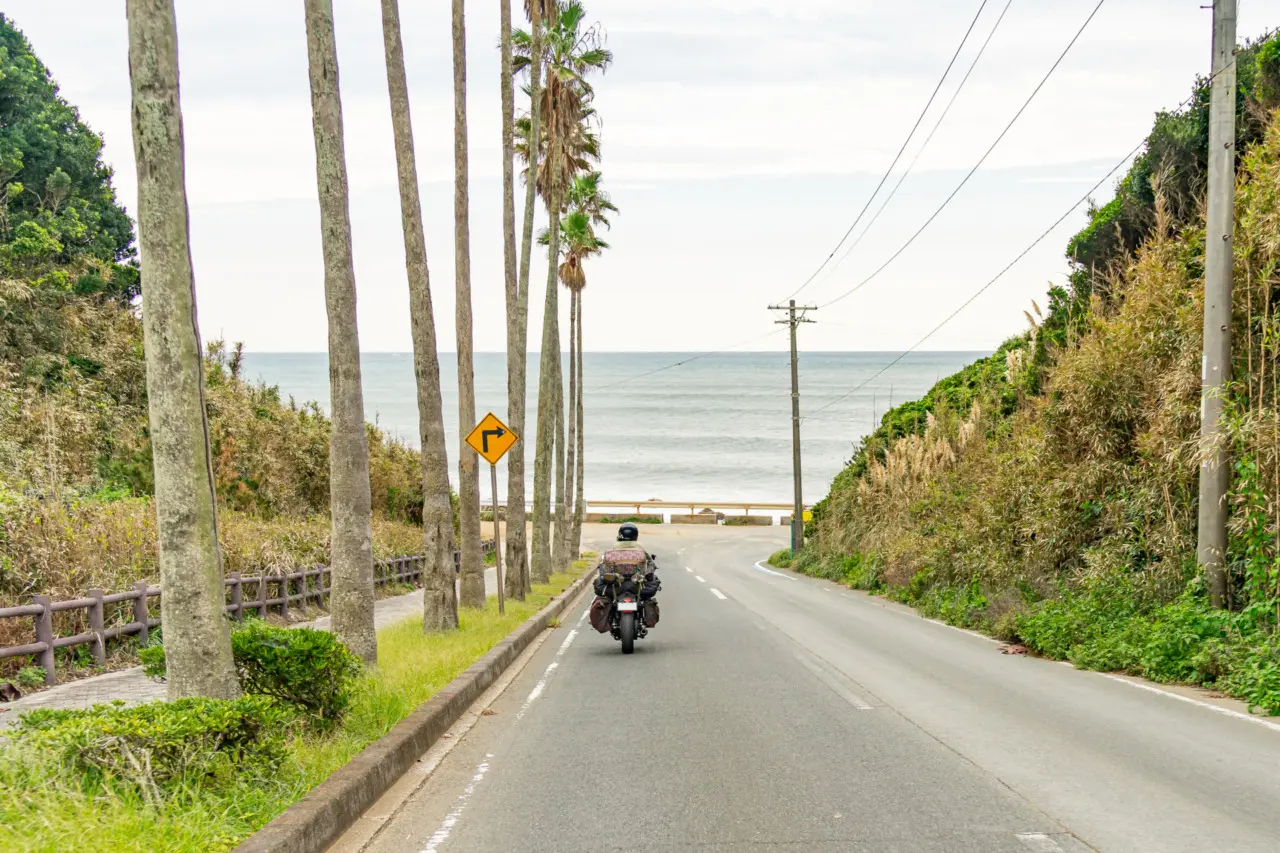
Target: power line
(927, 140)
(984, 287)
(976, 166)
(897, 156)
(1083, 199)
(685, 361)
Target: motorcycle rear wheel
(627, 631)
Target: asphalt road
(771, 712)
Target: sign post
(492, 439)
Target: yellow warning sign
(492, 438)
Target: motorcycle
(619, 608)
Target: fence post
(284, 596)
(140, 613)
(99, 643)
(262, 595)
(44, 634)
(237, 597)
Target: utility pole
(793, 320)
(1211, 545)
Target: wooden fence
(131, 612)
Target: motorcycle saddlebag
(650, 613)
(599, 617)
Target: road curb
(318, 819)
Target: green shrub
(307, 669)
(160, 745)
(30, 676)
(1255, 675)
(781, 559)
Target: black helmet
(628, 533)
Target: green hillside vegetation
(1047, 494)
(75, 465)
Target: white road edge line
(546, 674)
(1274, 726)
(1039, 842)
(718, 594)
(826, 678)
(760, 566)
(451, 819)
(700, 579)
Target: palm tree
(517, 292)
(569, 53)
(197, 638)
(587, 206)
(439, 600)
(352, 596)
(472, 568)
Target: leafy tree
(57, 205)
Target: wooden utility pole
(793, 320)
(1215, 472)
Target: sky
(740, 139)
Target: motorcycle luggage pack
(625, 561)
(600, 615)
(650, 613)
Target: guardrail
(268, 591)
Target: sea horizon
(675, 426)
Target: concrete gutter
(328, 810)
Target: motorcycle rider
(629, 537)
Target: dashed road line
(718, 594)
(546, 674)
(451, 819)
(688, 569)
(700, 578)
(1039, 842)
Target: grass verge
(42, 811)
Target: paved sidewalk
(133, 686)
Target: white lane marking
(1039, 842)
(718, 594)
(1274, 726)
(700, 579)
(451, 819)
(583, 617)
(546, 674)
(568, 641)
(760, 566)
(688, 569)
(843, 692)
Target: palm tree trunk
(547, 377)
(517, 557)
(352, 542)
(197, 639)
(439, 599)
(558, 558)
(472, 568)
(579, 503)
(572, 419)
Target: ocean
(716, 428)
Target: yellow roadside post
(492, 439)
